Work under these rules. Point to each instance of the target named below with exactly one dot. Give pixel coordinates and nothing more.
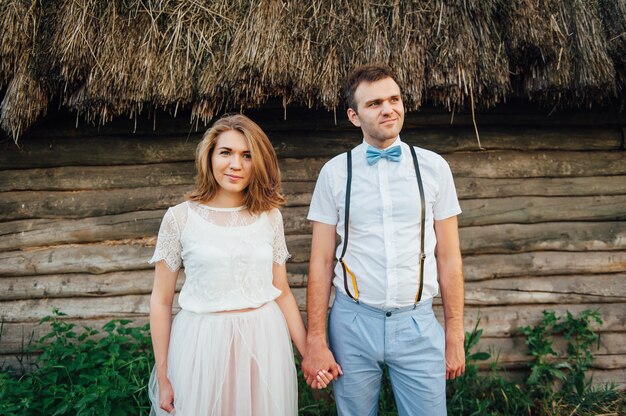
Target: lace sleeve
(281, 254)
(168, 247)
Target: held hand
(323, 379)
(319, 358)
(166, 395)
(455, 357)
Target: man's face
(380, 112)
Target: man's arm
(450, 269)
(318, 356)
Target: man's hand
(318, 357)
(455, 357)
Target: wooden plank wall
(543, 227)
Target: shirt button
(388, 314)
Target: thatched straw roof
(108, 58)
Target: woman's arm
(160, 326)
(287, 304)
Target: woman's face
(232, 162)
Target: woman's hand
(166, 395)
(323, 379)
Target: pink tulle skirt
(230, 364)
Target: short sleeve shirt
(384, 241)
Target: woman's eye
(224, 152)
(247, 156)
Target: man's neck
(380, 144)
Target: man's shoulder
(338, 162)
(429, 157)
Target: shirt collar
(363, 146)
(395, 143)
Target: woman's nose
(235, 162)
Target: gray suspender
(418, 176)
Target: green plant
(89, 372)
(83, 373)
(557, 382)
(490, 394)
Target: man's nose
(386, 107)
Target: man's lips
(391, 120)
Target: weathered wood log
(103, 285)
(179, 146)
(498, 321)
(95, 259)
(81, 204)
(601, 362)
(513, 351)
(133, 255)
(495, 238)
(72, 178)
(490, 266)
(79, 285)
(111, 307)
(102, 150)
(78, 307)
(138, 224)
(542, 263)
(468, 187)
(561, 236)
(31, 233)
(100, 258)
(542, 209)
(50, 204)
(511, 164)
(505, 321)
(447, 139)
(604, 377)
(15, 336)
(606, 288)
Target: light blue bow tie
(393, 154)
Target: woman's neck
(226, 200)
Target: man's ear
(354, 117)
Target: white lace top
(227, 254)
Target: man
(382, 313)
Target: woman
(227, 351)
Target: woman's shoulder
(274, 214)
(177, 213)
(181, 206)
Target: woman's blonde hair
(264, 191)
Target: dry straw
(107, 58)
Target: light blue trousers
(410, 342)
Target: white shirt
(227, 254)
(384, 237)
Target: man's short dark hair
(366, 73)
